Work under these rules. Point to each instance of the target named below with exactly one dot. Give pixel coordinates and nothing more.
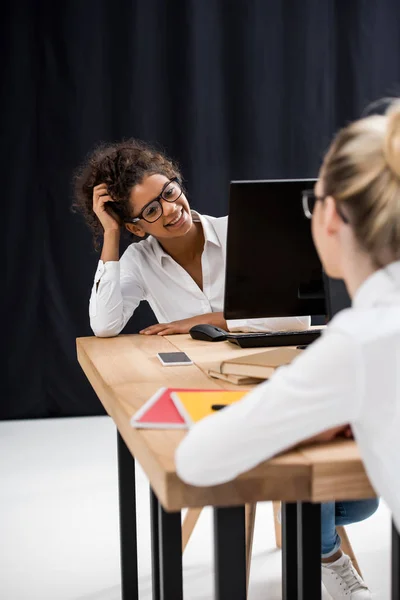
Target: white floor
(59, 522)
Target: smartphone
(174, 359)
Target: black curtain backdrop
(231, 89)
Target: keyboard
(277, 338)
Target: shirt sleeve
(318, 391)
(116, 293)
(269, 325)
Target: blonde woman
(351, 376)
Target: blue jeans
(335, 514)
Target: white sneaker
(342, 580)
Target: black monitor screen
(272, 267)
(337, 296)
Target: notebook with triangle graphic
(195, 405)
(159, 412)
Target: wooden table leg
(276, 506)
(347, 548)
(250, 521)
(127, 522)
(189, 523)
(230, 553)
(309, 550)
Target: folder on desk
(195, 405)
(160, 412)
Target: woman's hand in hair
(101, 208)
(184, 326)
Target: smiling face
(175, 220)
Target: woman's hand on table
(331, 434)
(184, 325)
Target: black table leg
(155, 545)
(127, 522)
(289, 552)
(230, 553)
(395, 563)
(309, 550)
(170, 545)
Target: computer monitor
(272, 267)
(336, 294)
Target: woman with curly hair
(178, 262)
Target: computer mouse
(208, 333)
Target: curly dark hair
(120, 166)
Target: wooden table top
(124, 371)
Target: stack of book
(253, 368)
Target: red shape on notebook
(160, 412)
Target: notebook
(261, 364)
(195, 405)
(158, 412)
(235, 379)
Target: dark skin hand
(184, 325)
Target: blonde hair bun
(391, 145)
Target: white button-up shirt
(350, 375)
(146, 272)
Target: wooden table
(124, 372)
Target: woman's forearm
(110, 251)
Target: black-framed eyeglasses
(309, 199)
(153, 210)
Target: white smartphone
(174, 359)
